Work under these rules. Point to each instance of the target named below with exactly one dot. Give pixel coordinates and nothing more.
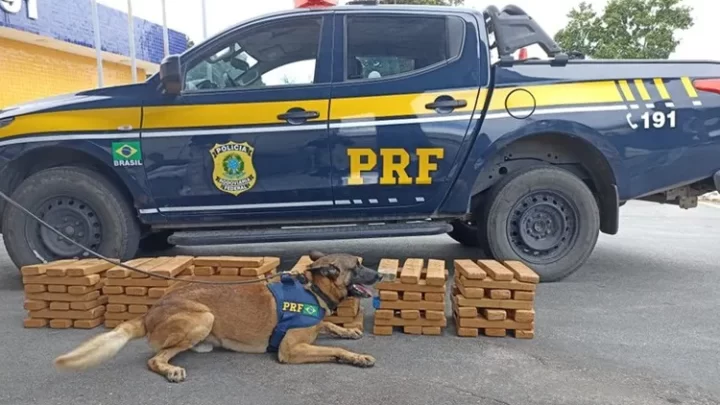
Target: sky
(186, 16)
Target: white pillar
(204, 19)
(208, 70)
(131, 32)
(98, 49)
(166, 40)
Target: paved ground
(637, 325)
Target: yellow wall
(30, 72)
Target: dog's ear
(326, 271)
(315, 255)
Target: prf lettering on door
(394, 165)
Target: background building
(47, 47)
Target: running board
(307, 233)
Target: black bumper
(716, 177)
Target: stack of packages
(65, 293)
(301, 266)
(349, 313)
(412, 297)
(494, 297)
(130, 293)
(234, 268)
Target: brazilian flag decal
(127, 153)
(311, 310)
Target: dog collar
(329, 302)
(332, 305)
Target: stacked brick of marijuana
(302, 264)
(234, 268)
(130, 294)
(412, 297)
(494, 297)
(349, 313)
(65, 293)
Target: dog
(284, 316)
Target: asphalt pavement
(638, 324)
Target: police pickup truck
(363, 122)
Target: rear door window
(381, 46)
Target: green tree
(626, 29)
(429, 2)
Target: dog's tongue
(362, 289)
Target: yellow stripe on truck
(661, 88)
(396, 105)
(217, 115)
(640, 85)
(627, 92)
(90, 120)
(342, 109)
(689, 87)
(565, 94)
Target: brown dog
(253, 318)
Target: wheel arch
(559, 148)
(33, 160)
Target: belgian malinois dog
(249, 318)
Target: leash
(125, 266)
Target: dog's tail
(102, 347)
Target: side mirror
(170, 74)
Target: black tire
(544, 216)
(76, 201)
(156, 242)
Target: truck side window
(275, 54)
(380, 46)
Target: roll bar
(515, 29)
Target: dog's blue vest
(296, 308)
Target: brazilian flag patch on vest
(301, 308)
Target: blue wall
(71, 21)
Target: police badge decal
(233, 170)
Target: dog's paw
(353, 334)
(176, 374)
(364, 360)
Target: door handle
(445, 104)
(297, 115)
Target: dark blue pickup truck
(363, 122)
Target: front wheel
(78, 202)
(544, 216)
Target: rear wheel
(78, 202)
(544, 216)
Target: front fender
(98, 152)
